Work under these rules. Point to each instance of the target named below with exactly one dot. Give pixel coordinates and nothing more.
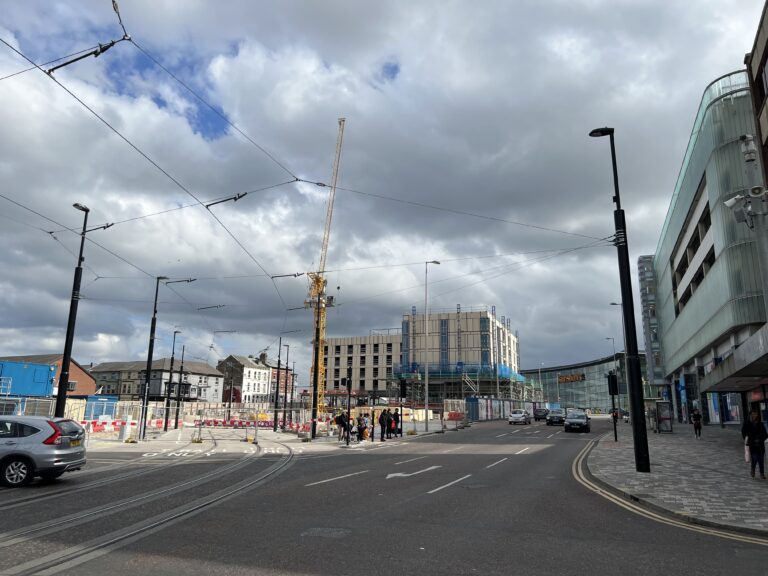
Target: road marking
(500, 435)
(550, 436)
(576, 470)
(452, 449)
(404, 475)
(494, 464)
(515, 432)
(411, 460)
(536, 431)
(449, 484)
(523, 450)
(337, 478)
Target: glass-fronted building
(709, 293)
(585, 385)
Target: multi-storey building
(200, 380)
(654, 365)
(369, 360)
(469, 351)
(709, 294)
(246, 379)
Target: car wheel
(16, 472)
(49, 476)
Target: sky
(465, 141)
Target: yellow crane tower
(317, 298)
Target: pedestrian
(390, 424)
(696, 420)
(396, 418)
(754, 434)
(339, 421)
(383, 421)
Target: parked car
(540, 414)
(519, 416)
(576, 420)
(38, 446)
(556, 416)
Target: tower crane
(317, 297)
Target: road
(490, 499)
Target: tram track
(66, 491)
(74, 555)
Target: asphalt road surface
(490, 499)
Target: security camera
(731, 202)
(756, 191)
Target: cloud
(460, 120)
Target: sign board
(566, 378)
(664, 416)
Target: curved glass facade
(730, 295)
(584, 385)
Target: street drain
(327, 532)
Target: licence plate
(75, 442)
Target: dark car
(576, 421)
(556, 416)
(540, 414)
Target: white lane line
(500, 435)
(449, 484)
(411, 460)
(494, 464)
(337, 478)
(536, 431)
(452, 449)
(523, 450)
(550, 436)
(515, 432)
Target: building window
(362, 360)
(71, 385)
(349, 361)
(362, 348)
(375, 360)
(337, 350)
(375, 372)
(362, 373)
(375, 348)
(389, 348)
(349, 348)
(389, 360)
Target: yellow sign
(566, 378)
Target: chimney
(263, 358)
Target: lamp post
(178, 388)
(540, 366)
(634, 381)
(148, 375)
(613, 397)
(61, 393)
(426, 345)
(293, 383)
(624, 339)
(277, 386)
(170, 381)
(285, 384)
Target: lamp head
(177, 331)
(615, 303)
(731, 202)
(598, 132)
(81, 207)
(433, 262)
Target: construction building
(467, 352)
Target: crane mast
(317, 297)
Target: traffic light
(403, 391)
(613, 384)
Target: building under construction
(469, 352)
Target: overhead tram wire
(516, 265)
(150, 160)
(91, 49)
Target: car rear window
(69, 427)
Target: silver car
(38, 446)
(519, 416)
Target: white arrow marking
(404, 475)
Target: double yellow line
(578, 474)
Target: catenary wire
(152, 162)
(49, 62)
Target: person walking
(754, 434)
(696, 420)
(396, 418)
(383, 421)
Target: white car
(519, 416)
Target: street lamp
(170, 381)
(277, 385)
(61, 393)
(634, 381)
(426, 346)
(285, 384)
(613, 397)
(147, 376)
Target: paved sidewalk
(705, 481)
